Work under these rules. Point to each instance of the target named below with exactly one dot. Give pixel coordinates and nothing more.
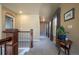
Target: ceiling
(43, 9)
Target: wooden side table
(66, 45)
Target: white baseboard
(29, 40)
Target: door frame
(57, 13)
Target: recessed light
(43, 19)
(20, 12)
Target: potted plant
(61, 33)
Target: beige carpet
(43, 47)
(46, 47)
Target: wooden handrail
(11, 44)
(6, 39)
(4, 42)
(24, 31)
(31, 35)
(10, 38)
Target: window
(9, 22)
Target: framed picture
(69, 15)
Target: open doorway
(42, 28)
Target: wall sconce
(69, 26)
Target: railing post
(13, 44)
(31, 38)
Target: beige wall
(5, 11)
(21, 22)
(74, 31)
(0, 21)
(27, 22)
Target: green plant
(61, 31)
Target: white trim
(28, 40)
(9, 15)
(13, 18)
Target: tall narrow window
(9, 22)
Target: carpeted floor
(46, 47)
(43, 47)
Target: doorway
(42, 28)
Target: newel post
(31, 43)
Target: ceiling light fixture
(20, 12)
(43, 19)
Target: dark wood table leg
(68, 52)
(1, 49)
(5, 49)
(59, 50)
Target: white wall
(0, 21)
(27, 22)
